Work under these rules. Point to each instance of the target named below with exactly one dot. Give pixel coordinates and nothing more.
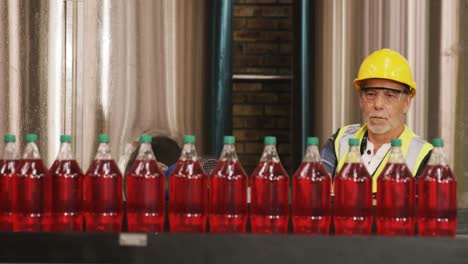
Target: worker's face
(384, 104)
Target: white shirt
(372, 161)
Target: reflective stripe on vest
(413, 147)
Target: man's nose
(379, 101)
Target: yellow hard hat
(386, 64)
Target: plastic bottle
(7, 183)
(395, 196)
(145, 191)
(67, 190)
(269, 193)
(32, 209)
(353, 195)
(103, 191)
(437, 201)
(188, 191)
(228, 192)
(311, 187)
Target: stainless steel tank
(85, 67)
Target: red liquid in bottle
(66, 196)
(32, 206)
(7, 194)
(395, 201)
(311, 199)
(103, 197)
(270, 198)
(437, 206)
(353, 200)
(145, 197)
(188, 197)
(228, 198)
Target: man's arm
(328, 154)
(423, 164)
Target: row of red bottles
(311, 206)
(227, 207)
(188, 196)
(311, 194)
(94, 198)
(24, 188)
(396, 199)
(34, 199)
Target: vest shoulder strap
(418, 148)
(341, 141)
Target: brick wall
(262, 36)
(262, 46)
(261, 108)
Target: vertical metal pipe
(305, 73)
(221, 74)
(302, 118)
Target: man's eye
(390, 95)
(370, 93)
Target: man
(386, 89)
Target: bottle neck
(270, 154)
(312, 154)
(145, 152)
(103, 152)
(10, 152)
(228, 153)
(189, 152)
(31, 151)
(396, 156)
(65, 152)
(354, 156)
(437, 157)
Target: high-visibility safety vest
(413, 147)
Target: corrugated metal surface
(111, 66)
